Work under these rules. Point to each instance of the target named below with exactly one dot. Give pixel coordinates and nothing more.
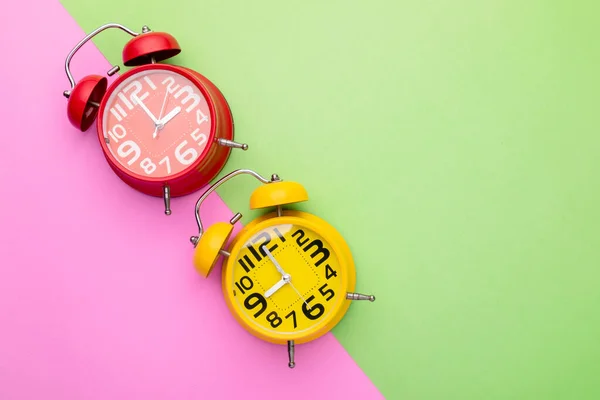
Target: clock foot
(358, 296)
(167, 198)
(291, 363)
(232, 144)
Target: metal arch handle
(274, 178)
(86, 39)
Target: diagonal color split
(453, 143)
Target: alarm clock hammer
(165, 130)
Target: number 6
(188, 156)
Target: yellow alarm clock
(288, 275)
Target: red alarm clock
(165, 130)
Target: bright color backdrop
(453, 143)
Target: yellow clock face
(288, 279)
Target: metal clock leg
(358, 296)
(167, 198)
(232, 144)
(291, 363)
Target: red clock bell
(165, 130)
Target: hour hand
(275, 287)
(169, 116)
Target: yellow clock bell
(288, 275)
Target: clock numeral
(265, 239)
(150, 83)
(279, 235)
(245, 261)
(188, 156)
(256, 300)
(328, 294)
(167, 162)
(254, 252)
(200, 117)
(199, 138)
(127, 148)
(188, 90)
(320, 247)
(274, 319)
(316, 310)
(190, 95)
(134, 97)
(171, 82)
(118, 112)
(329, 272)
(244, 284)
(118, 132)
(299, 240)
(130, 100)
(148, 166)
(125, 101)
(293, 315)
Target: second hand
(302, 297)
(162, 109)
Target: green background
(453, 143)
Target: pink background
(98, 296)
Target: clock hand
(299, 295)
(282, 272)
(274, 261)
(162, 122)
(277, 286)
(141, 103)
(162, 109)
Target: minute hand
(141, 103)
(274, 261)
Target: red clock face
(156, 123)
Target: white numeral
(188, 156)
(200, 117)
(170, 87)
(190, 95)
(198, 137)
(128, 147)
(150, 83)
(166, 160)
(134, 96)
(118, 112)
(117, 132)
(124, 100)
(148, 166)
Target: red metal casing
(209, 163)
(80, 112)
(157, 45)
